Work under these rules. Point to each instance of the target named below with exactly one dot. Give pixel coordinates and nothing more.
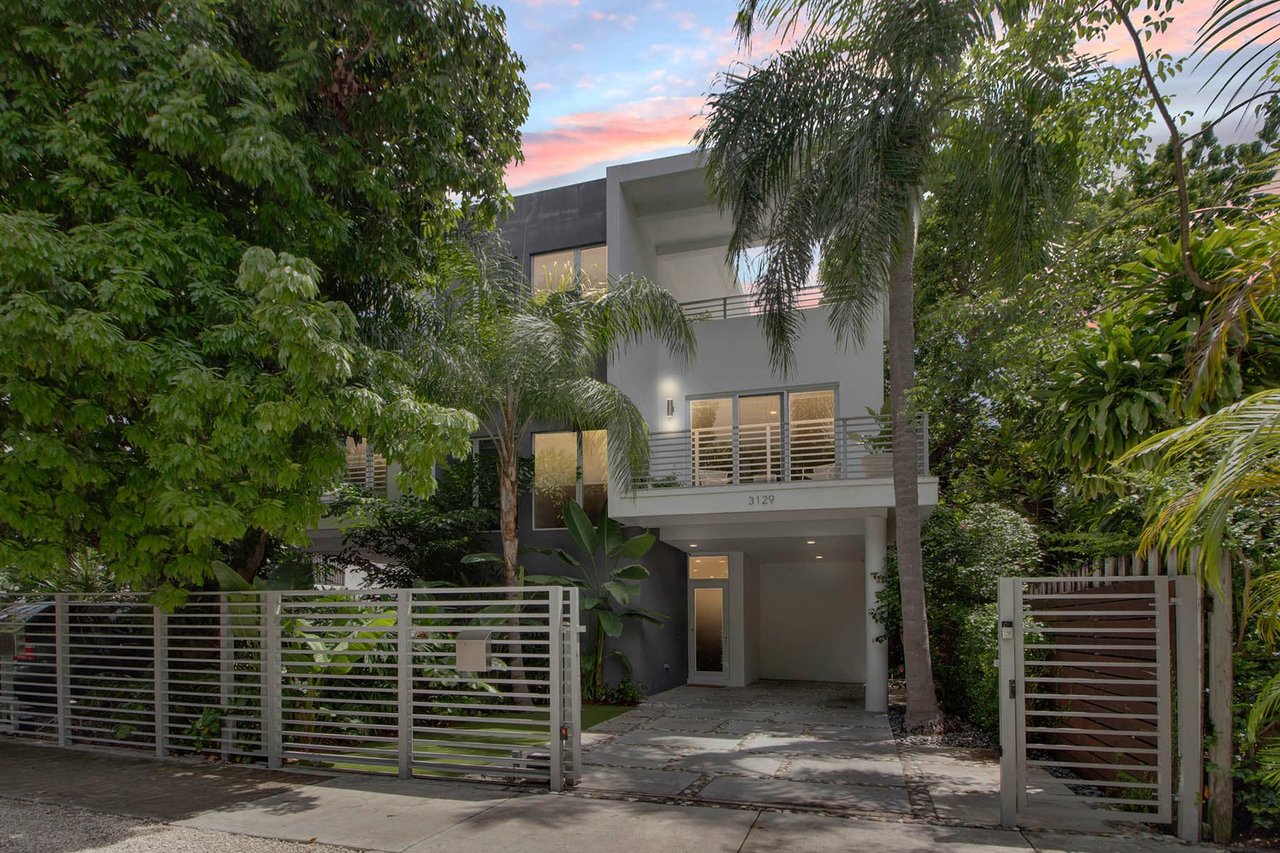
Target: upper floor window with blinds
(365, 468)
(587, 267)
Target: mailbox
(472, 651)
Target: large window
(763, 438)
(569, 466)
(587, 267)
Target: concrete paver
(546, 823)
(823, 834)
(633, 780)
(786, 792)
(859, 771)
(227, 809)
(371, 812)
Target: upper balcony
(743, 305)
(802, 451)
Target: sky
(613, 81)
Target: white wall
(751, 619)
(811, 622)
(733, 356)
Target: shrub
(966, 550)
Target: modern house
(772, 496)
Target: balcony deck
(811, 451)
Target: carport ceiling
(782, 549)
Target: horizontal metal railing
(743, 305)
(796, 451)
(362, 680)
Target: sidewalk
(65, 800)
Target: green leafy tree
(517, 359)
(608, 579)
(211, 218)
(832, 145)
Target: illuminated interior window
(587, 268)
(708, 568)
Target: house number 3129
(759, 500)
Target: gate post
(62, 665)
(1190, 670)
(555, 669)
(1010, 620)
(160, 677)
(272, 716)
(404, 680)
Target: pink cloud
(1177, 40)
(625, 132)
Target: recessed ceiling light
(811, 542)
(693, 544)
(818, 557)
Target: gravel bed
(953, 732)
(27, 827)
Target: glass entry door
(708, 620)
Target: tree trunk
(922, 701)
(253, 548)
(508, 498)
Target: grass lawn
(594, 715)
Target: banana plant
(607, 577)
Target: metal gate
(365, 680)
(1089, 668)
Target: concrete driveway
(791, 744)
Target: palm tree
(827, 150)
(516, 359)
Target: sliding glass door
(763, 438)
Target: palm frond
(634, 309)
(1262, 608)
(1253, 27)
(587, 404)
(1241, 444)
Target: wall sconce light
(671, 408)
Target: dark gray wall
(566, 218)
(560, 218)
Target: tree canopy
(212, 216)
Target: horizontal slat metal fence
(345, 680)
(1088, 670)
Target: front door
(708, 620)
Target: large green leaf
(645, 615)
(228, 579)
(631, 572)
(637, 546)
(580, 528)
(620, 591)
(483, 558)
(610, 622)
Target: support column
(877, 653)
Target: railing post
(555, 684)
(1009, 780)
(62, 666)
(573, 682)
(1190, 648)
(1164, 726)
(160, 676)
(226, 671)
(404, 680)
(272, 678)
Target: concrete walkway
(63, 800)
(773, 743)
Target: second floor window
(569, 466)
(587, 267)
